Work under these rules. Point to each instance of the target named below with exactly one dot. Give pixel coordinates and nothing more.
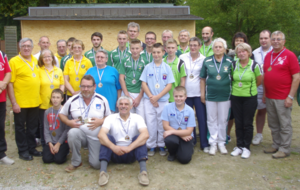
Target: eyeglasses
(193, 46)
(84, 87)
(276, 39)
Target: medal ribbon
(134, 67)
(87, 109)
(100, 77)
(239, 70)
(148, 56)
(121, 57)
(191, 63)
(179, 122)
(218, 70)
(124, 127)
(49, 76)
(154, 67)
(271, 62)
(77, 71)
(32, 68)
(207, 49)
(55, 118)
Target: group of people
(126, 104)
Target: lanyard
(172, 62)
(121, 57)
(87, 109)
(32, 68)
(207, 50)
(100, 77)
(262, 54)
(56, 115)
(148, 56)
(179, 122)
(124, 127)
(191, 64)
(154, 68)
(239, 70)
(218, 70)
(49, 76)
(134, 66)
(271, 62)
(76, 71)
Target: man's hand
(202, 99)
(3, 85)
(56, 148)
(288, 102)
(168, 133)
(51, 148)
(16, 108)
(126, 149)
(73, 123)
(154, 99)
(137, 101)
(264, 99)
(156, 105)
(118, 150)
(187, 138)
(96, 122)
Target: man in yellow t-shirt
(61, 49)
(24, 94)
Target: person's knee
(184, 159)
(95, 163)
(60, 160)
(47, 160)
(170, 139)
(73, 134)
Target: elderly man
(133, 31)
(281, 81)
(123, 137)
(24, 94)
(207, 34)
(61, 49)
(168, 34)
(88, 110)
(44, 43)
(259, 56)
(183, 38)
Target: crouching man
(123, 139)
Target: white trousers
(217, 117)
(154, 124)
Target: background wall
(82, 30)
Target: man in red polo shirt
(281, 81)
(4, 80)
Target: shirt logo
(150, 75)
(186, 118)
(281, 60)
(83, 66)
(98, 106)
(172, 114)
(211, 65)
(140, 67)
(226, 69)
(1, 66)
(164, 76)
(56, 76)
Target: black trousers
(243, 109)
(58, 158)
(41, 126)
(181, 149)
(3, 145)
(25, 137)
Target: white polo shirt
(37, 56)
(119, 129)
(192, 67)
(98, 108)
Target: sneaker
(38, 142)
(280, 154)
(143, 178)
(6, 161)
(103, 178)
(222, 149)
(246, 153)
(70, 168)
(212, 150)
(228, 138)
(270, 150)
(171, 158)
(151, 152)
(257, 139)
(236, 151)
(206, 150)
(162, 151)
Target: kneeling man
(123, 139)
(179, 122)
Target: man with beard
(88, 111)
(96, 39)
(207, 34)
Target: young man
(183, 38)
(97, 39)
(150, 39)
(130, 72)
(179, 123)
(67, 57)
(44, 43)
(207, 34)
(168, 34)
(133, 31)
(121, 52)
(123, 138)
(61, 49)
(176, 64)
(157, 79)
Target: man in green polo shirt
(168, 34)
(67, 57)
(183, 38)
(150, 39)
(207, 34)
(130, 72)
(177, 66)
(121, 52)
(96, 39)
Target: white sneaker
(246, 153)
(206, 150)
(212, 150)
(236, 151)
(257, 139)
(7, 161)
(222, 149)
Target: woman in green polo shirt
(215, 90)
(246, 76)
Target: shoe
(171, 158)
(280, 154)
(236, 151)
(151, 152)
(103, 178)
(212, 150)
(228, 138)
(38, 142)
(70, 168)
(222, 149)
(25, 156)
(6, 161)
(206, 149)
(143, 178)
(257, 139)
(162, 151)
(36, 153)
(270, 150)
(246, 153)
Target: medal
(270, 68)
(133, 81)
(218, 77)
(157, 85)
(80, 119)
(31, 68)
(77, 79)
(51, 86)
(240, 84)
(86, 110)
(33, 75)
(53, 133)
(179, 128)
(100, 85)
(86, 120)
(100, 77)
(191, 76)
(127, 138)
(218, 69)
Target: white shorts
(260, 104)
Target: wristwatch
(291, 97)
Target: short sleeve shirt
(147, 56)
(179, 119)
(178, 70)
(217, 90)
(4, 68)
(98, 108)
(206, 50)
(116, 57)
(133, 70)
(161, 75)
(57, 78)
(91, 55)
(119, 129)
(64, 60)
(248, 80)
